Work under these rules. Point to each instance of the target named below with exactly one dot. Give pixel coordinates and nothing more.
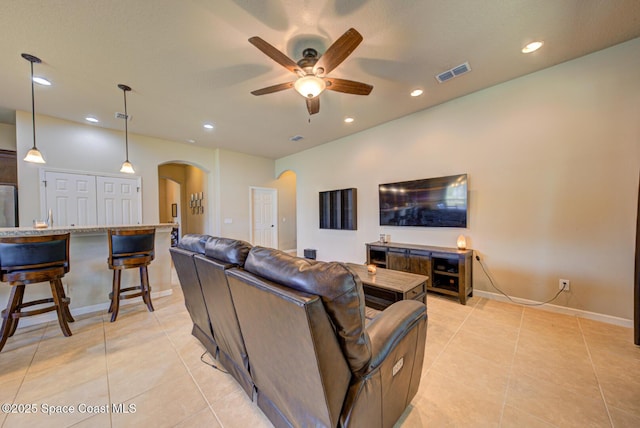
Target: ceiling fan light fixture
(310, 86)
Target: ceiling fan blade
(275, 54)
(339, 51)
(348, 86)
(272, 89)
(313, 105)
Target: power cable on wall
(507, 296)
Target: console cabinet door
(420, 262)
(397, 259)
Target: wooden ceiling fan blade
(339, 51)
(348, 86)
(275, 54)
(272, 89)
(313, 105)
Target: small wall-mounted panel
(338, 209)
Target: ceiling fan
(312, 70)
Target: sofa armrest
(391, 379)
(390, 327)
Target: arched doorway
(182, 193)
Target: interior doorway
(177, 182)
(264, 216)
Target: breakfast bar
(89, 279)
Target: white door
(264, 213)
(71, 198)
(118, 201)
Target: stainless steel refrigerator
(8, 205)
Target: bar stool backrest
(131, 247)
(24, 253)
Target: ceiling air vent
(296, 138)
(123, 116)
(454, 72)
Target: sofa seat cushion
(339, 288)
(232, 251)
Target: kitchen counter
(88, 282)
(30, 231)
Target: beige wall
(286, 185)
(553, 160)
(7, 137)
(85, 148)
(237, 173)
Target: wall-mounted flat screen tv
(431, 202)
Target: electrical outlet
(564, 284)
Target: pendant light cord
(33, 108)
(126, 127)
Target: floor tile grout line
(446, 345)
(513, 358)
(595, 372)
(173, 345)
(106, 364)
(33, 357)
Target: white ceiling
(189, 61)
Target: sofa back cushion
(194, 242)
(228, 250)
(339, 288)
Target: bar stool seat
(29, 260)
(130, 248)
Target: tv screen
(431, 202)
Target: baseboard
(609, 319)
(51, 316)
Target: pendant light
(34, 154)
(126, 165)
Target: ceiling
(189, 62)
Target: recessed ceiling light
(348, 120)
(532, 47)
(416, 92)
(191, 140)
(41, 81)
(91, 119)
(208, 126)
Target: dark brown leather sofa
(312, 358)
(221, 254)
(201, 262)
(183, 260)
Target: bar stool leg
(9, 323)
(145, 288)
(64, 297)
(16, 310)
(60, 306)
(115, 295)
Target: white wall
(553, 160)
(73, 146)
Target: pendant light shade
(34, 154)
(126, 165)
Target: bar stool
(28, 260)
(130, 248)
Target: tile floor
(487, 364)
